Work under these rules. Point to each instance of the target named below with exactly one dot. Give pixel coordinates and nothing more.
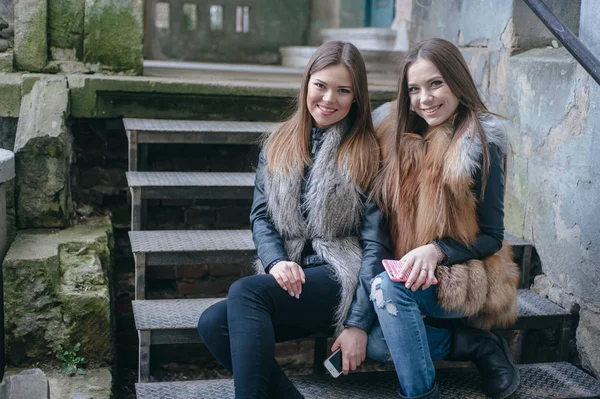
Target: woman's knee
(212, 321)
(389, 294)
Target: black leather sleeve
(490, 215)
(375, 239)
(267, 240)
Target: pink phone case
(393, 267)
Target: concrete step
(538, 381)
(141, 131)
(171, 320)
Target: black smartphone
(333, 363)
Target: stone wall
(552, 173)
(78, 35)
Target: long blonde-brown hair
(288, 147)
(449, 61)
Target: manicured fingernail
(298, 296)
(291, 293)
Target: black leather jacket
(374, 237)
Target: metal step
(141, 131)
(177, 315)
(538, 381)
(191, 185)
(174, 321)
(185, 185)
(197, 243)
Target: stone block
(382, 39)
(31, 44)
(10, 102)
(97, 384)
(6, 61)
(65, 29)
(114, 34)
(28, 384)
(43, 154)
(56, 292)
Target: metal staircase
(174, 320)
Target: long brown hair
(449, 61)
(288, 147)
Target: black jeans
(242, 330)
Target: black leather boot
(489, 352)
(433, 394)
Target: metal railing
(568, 39)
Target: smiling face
(330, 95)
(430, 96)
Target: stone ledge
(85, 90)
(10, 87)
(7, 165)
(56, 291)
(6, 61)
(49, 384)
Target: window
(216, 18)
(242, 19)
(163, 11)
(190, 20)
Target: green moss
(113, 38)
(57, 292)
(31, 54)
(65, 24)
(88, 322)
(10, 100)
(30, 282)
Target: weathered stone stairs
(174, 320)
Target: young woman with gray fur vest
(442, 187)
(313, 231)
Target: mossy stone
(114, 34)
(57, 292)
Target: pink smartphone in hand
(393, 267)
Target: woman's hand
(423, 261)
(289, 276)
(353, 342)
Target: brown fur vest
(436, 201)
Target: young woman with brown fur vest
(310, 224)
(442, 187)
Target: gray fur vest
(334, 206)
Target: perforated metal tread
(532, 304)
(538, 381)
(186, 126)
(183, 179)
(190, 241)
(172, 314)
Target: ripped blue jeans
(402, 335)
